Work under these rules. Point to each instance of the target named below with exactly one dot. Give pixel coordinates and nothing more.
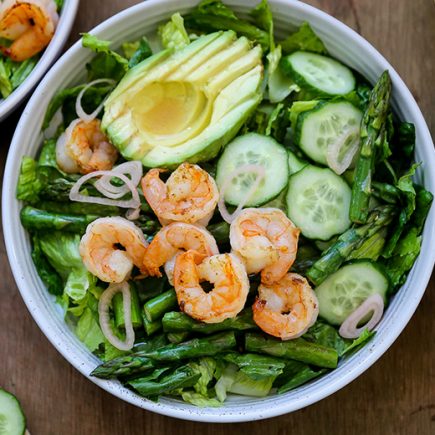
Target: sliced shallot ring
(88, 117)
(373, 304)
(259, 170)
(334, 149)
(104, 185)
(104, 318)
(132, 214)
(75, 195)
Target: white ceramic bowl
(344, 44)
(66, 20)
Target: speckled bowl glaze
(66, 20)
(344, 44)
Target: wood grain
(395, 396)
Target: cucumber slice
(322, 127)
(12, 419)
(320, 74)
(345, 290)
(318, 202)
(253, 148)
(295, 164)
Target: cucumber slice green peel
(253, 149)
(321, 75)
(328, 126)
(12, 419)
(318, 202)
(347, 288)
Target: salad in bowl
(218, 210)
(27, 28)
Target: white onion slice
(132, 214)
(104, 185)
(75, 194)
(88, 117)
(333, 150)
(54, 124)
(373, 304)
(103, 312)
(256, 169)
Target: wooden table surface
(395, 396)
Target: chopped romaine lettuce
(212, 15)
(173, 34)
(303, 39)
(45, 270)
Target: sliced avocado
(185, 105)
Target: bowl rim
(63, 29)
(424, 263)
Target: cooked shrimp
(100, 251)
(228, 275)
(84, 148)
(286, 309)
(30, 24)
(266, 240)
(190, 195)
(172, 239)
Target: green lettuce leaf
(403, 257)
(29, 185)
(5, 82)
(304, 375)
(359, 342)
(22, 70)
(407, 193)
(326, 335)
(264, 20)
(45, 270)
(257, 367)
(78, 283)
(173, 34)
(88, 330)
(270, 120)
(47, 156)
(246, 386)
(108, 63)
(303, 39)
(279, 85)
(62, 251)
(212, 15)
(206, 367)
(142, 52)
(200, 400)
(298, 107)
(66, 99)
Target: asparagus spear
(118, 308)
(372, 131)
(177, 337)
(194, 348)
(159, 305)
(123, 366)
(182, 377)
(349, 241)
(79, 208)
(179, 322)
(141, 361)
(34, 220)
(300, 378)
(151, 327)
(298, 349)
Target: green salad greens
(13, 72)
(278, 126)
